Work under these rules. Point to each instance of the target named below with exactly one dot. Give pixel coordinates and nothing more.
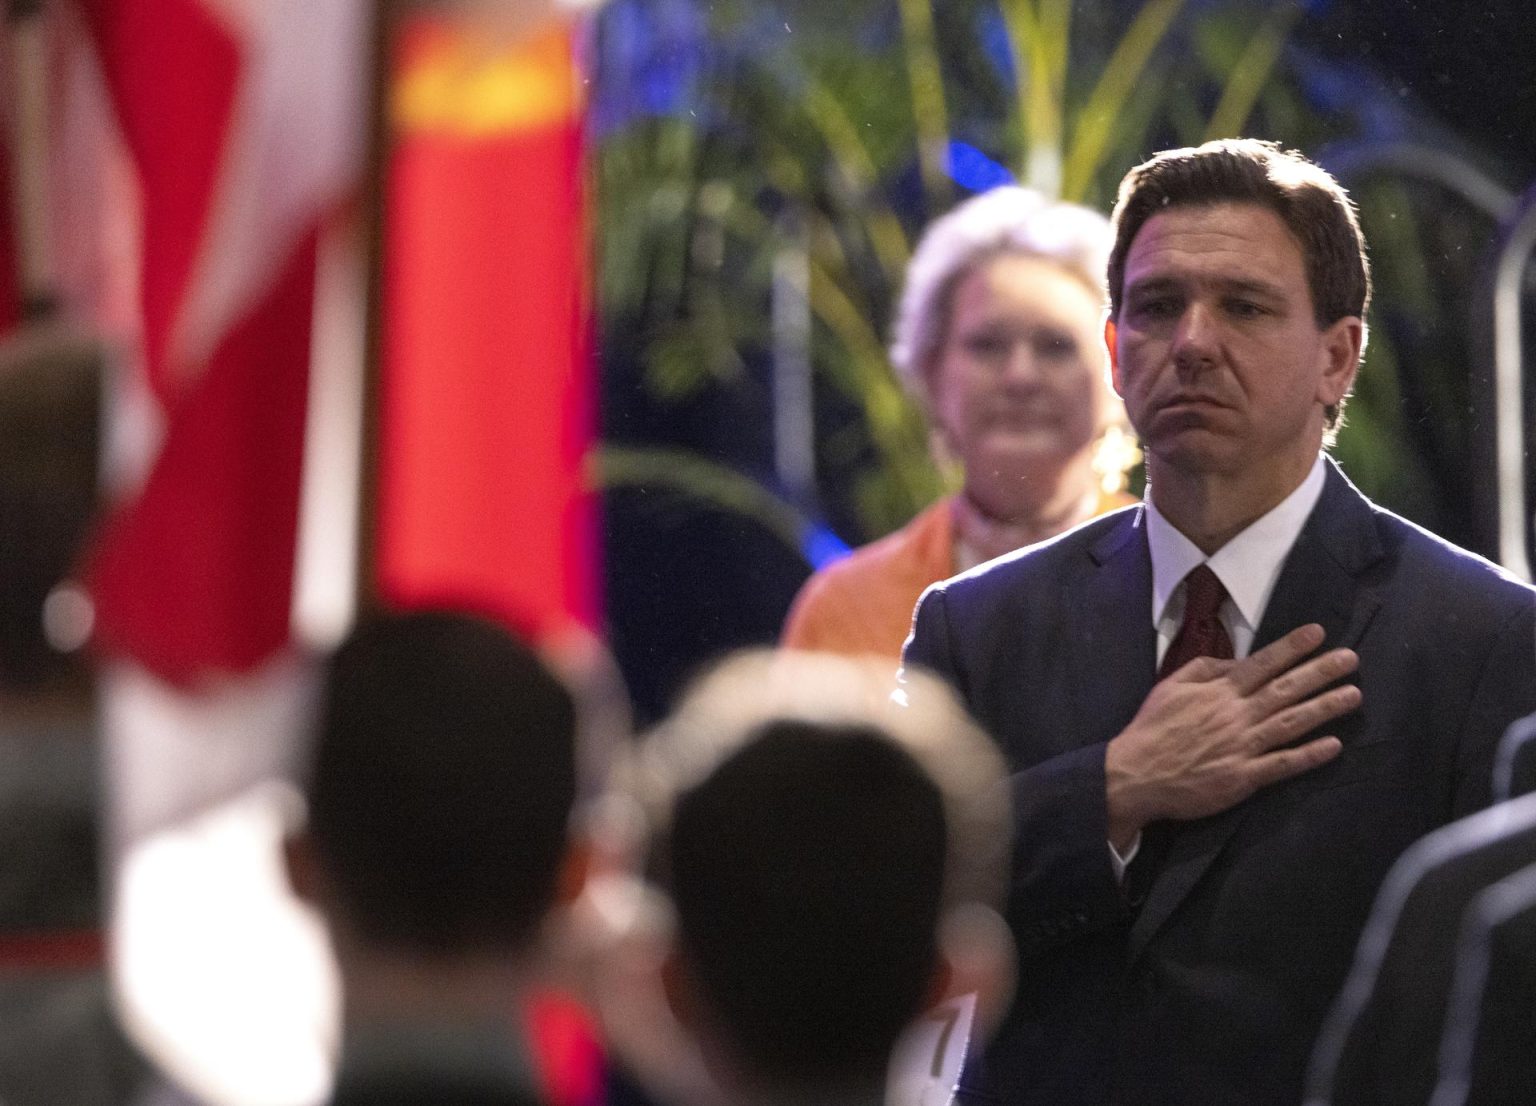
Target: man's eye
(1245, 309)
(1160, 307)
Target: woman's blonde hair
(1013, 221)
(1005, 220)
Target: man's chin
(1196, 453)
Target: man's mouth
(1191, 400)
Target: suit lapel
(1319, 582)
(1112, 631)
(1320, 579)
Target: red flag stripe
(173, 71)
(207, 548)
(485, 407)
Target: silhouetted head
(813, 836)
(443, 778)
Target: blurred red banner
(485, 410)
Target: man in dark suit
(1195, 852)
(438, 806)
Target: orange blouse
(863, 603)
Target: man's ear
(1343, 342)
(977, 956)
(1111, 333)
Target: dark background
(687, 581)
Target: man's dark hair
(1313, 206)
(443, 778)
(807, 872)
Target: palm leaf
(925, 76)
(1096, 121)
(612, 466)
(1251, 72)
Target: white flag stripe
(295, 146)
(325, 573)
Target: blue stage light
(972, 169)
(821, 546)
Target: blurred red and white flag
(245, 126)
(239, 127)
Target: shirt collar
(1248, 566)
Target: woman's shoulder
(873, 589)
(922, 549)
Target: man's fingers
(1257, 669)
(1285, 763)
(1291, 723)
(1297, 683)
(1202, 669)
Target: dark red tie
(1202, 634)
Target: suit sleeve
(1062, 886)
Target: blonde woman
(999, 336)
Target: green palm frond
(1039, 39)
(693, 210)
(1096, 121)
(1252, 72)
(925, 75)
(686, 472)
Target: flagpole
(375, 196)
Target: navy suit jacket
(1213, 988)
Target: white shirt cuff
(1122, 862)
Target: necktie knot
(1202, 634)
(1203, 595)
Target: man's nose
(1195, 338)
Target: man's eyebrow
(1153, 284)
(1227, 285)
(1250, 286)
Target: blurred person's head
(440, 794)
(999, 336)
(828, 852)
(1315, 209)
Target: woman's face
(1018, 382)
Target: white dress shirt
(1248, 566)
